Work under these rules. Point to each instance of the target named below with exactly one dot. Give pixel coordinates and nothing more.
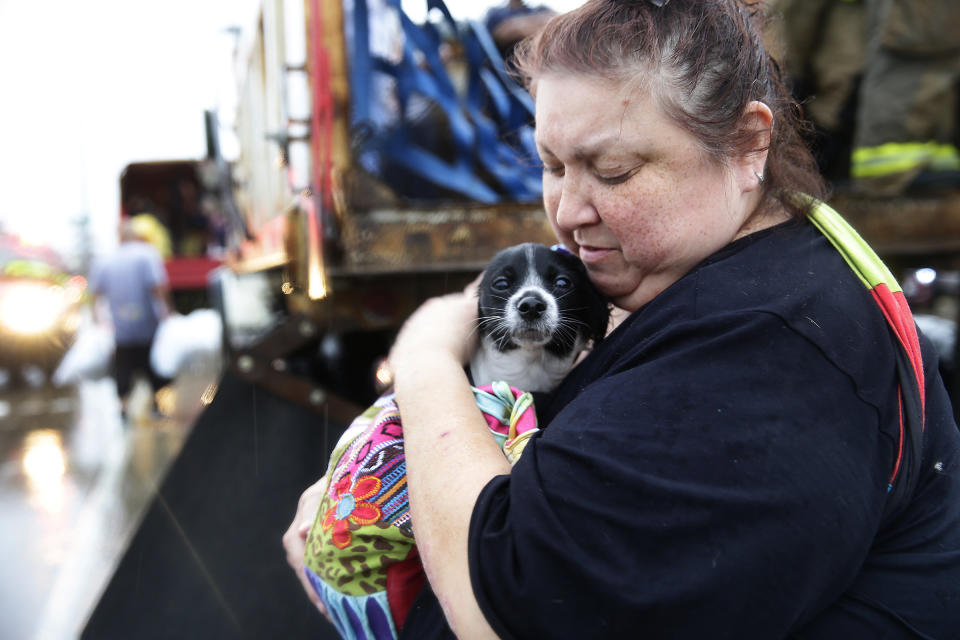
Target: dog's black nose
(531, 307)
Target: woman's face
(630, 192)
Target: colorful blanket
(360, 556)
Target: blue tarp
(411, 126)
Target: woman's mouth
(593, 255)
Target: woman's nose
(575, 208)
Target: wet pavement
(75, 482)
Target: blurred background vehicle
(177, 206)
(40, 307)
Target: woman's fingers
(473, 287)
(444, 325)
(295, 538)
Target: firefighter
(821, 45)
(906, 119)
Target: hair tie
(658, 3)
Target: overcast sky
(88, 87)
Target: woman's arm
(449, 451)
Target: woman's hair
(703, 60)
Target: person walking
(133, 282)
(822, 47)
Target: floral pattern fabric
(360, 554)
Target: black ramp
(207, 561)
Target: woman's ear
(758, 121)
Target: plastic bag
(181, 339)
(89, 358)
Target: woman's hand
(295, 539)
(442, 327)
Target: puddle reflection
(74, 484)
(44, 465)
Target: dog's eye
(501, 284)
(562, 282)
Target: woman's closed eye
(615, 177)
(553, 170)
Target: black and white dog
(537, 311)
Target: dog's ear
(599, 318)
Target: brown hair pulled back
(706, 61)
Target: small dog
(537, 311)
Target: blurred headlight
(31, 308)
(71, 321)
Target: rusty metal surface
(377, 301)
(391, 258)
(335, 49)
(904, 226)
(466, 237)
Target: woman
(756, 451)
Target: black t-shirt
(718, 468)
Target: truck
(175, 202)
(366, 186)
(378, 171)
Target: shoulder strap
(888, 296)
